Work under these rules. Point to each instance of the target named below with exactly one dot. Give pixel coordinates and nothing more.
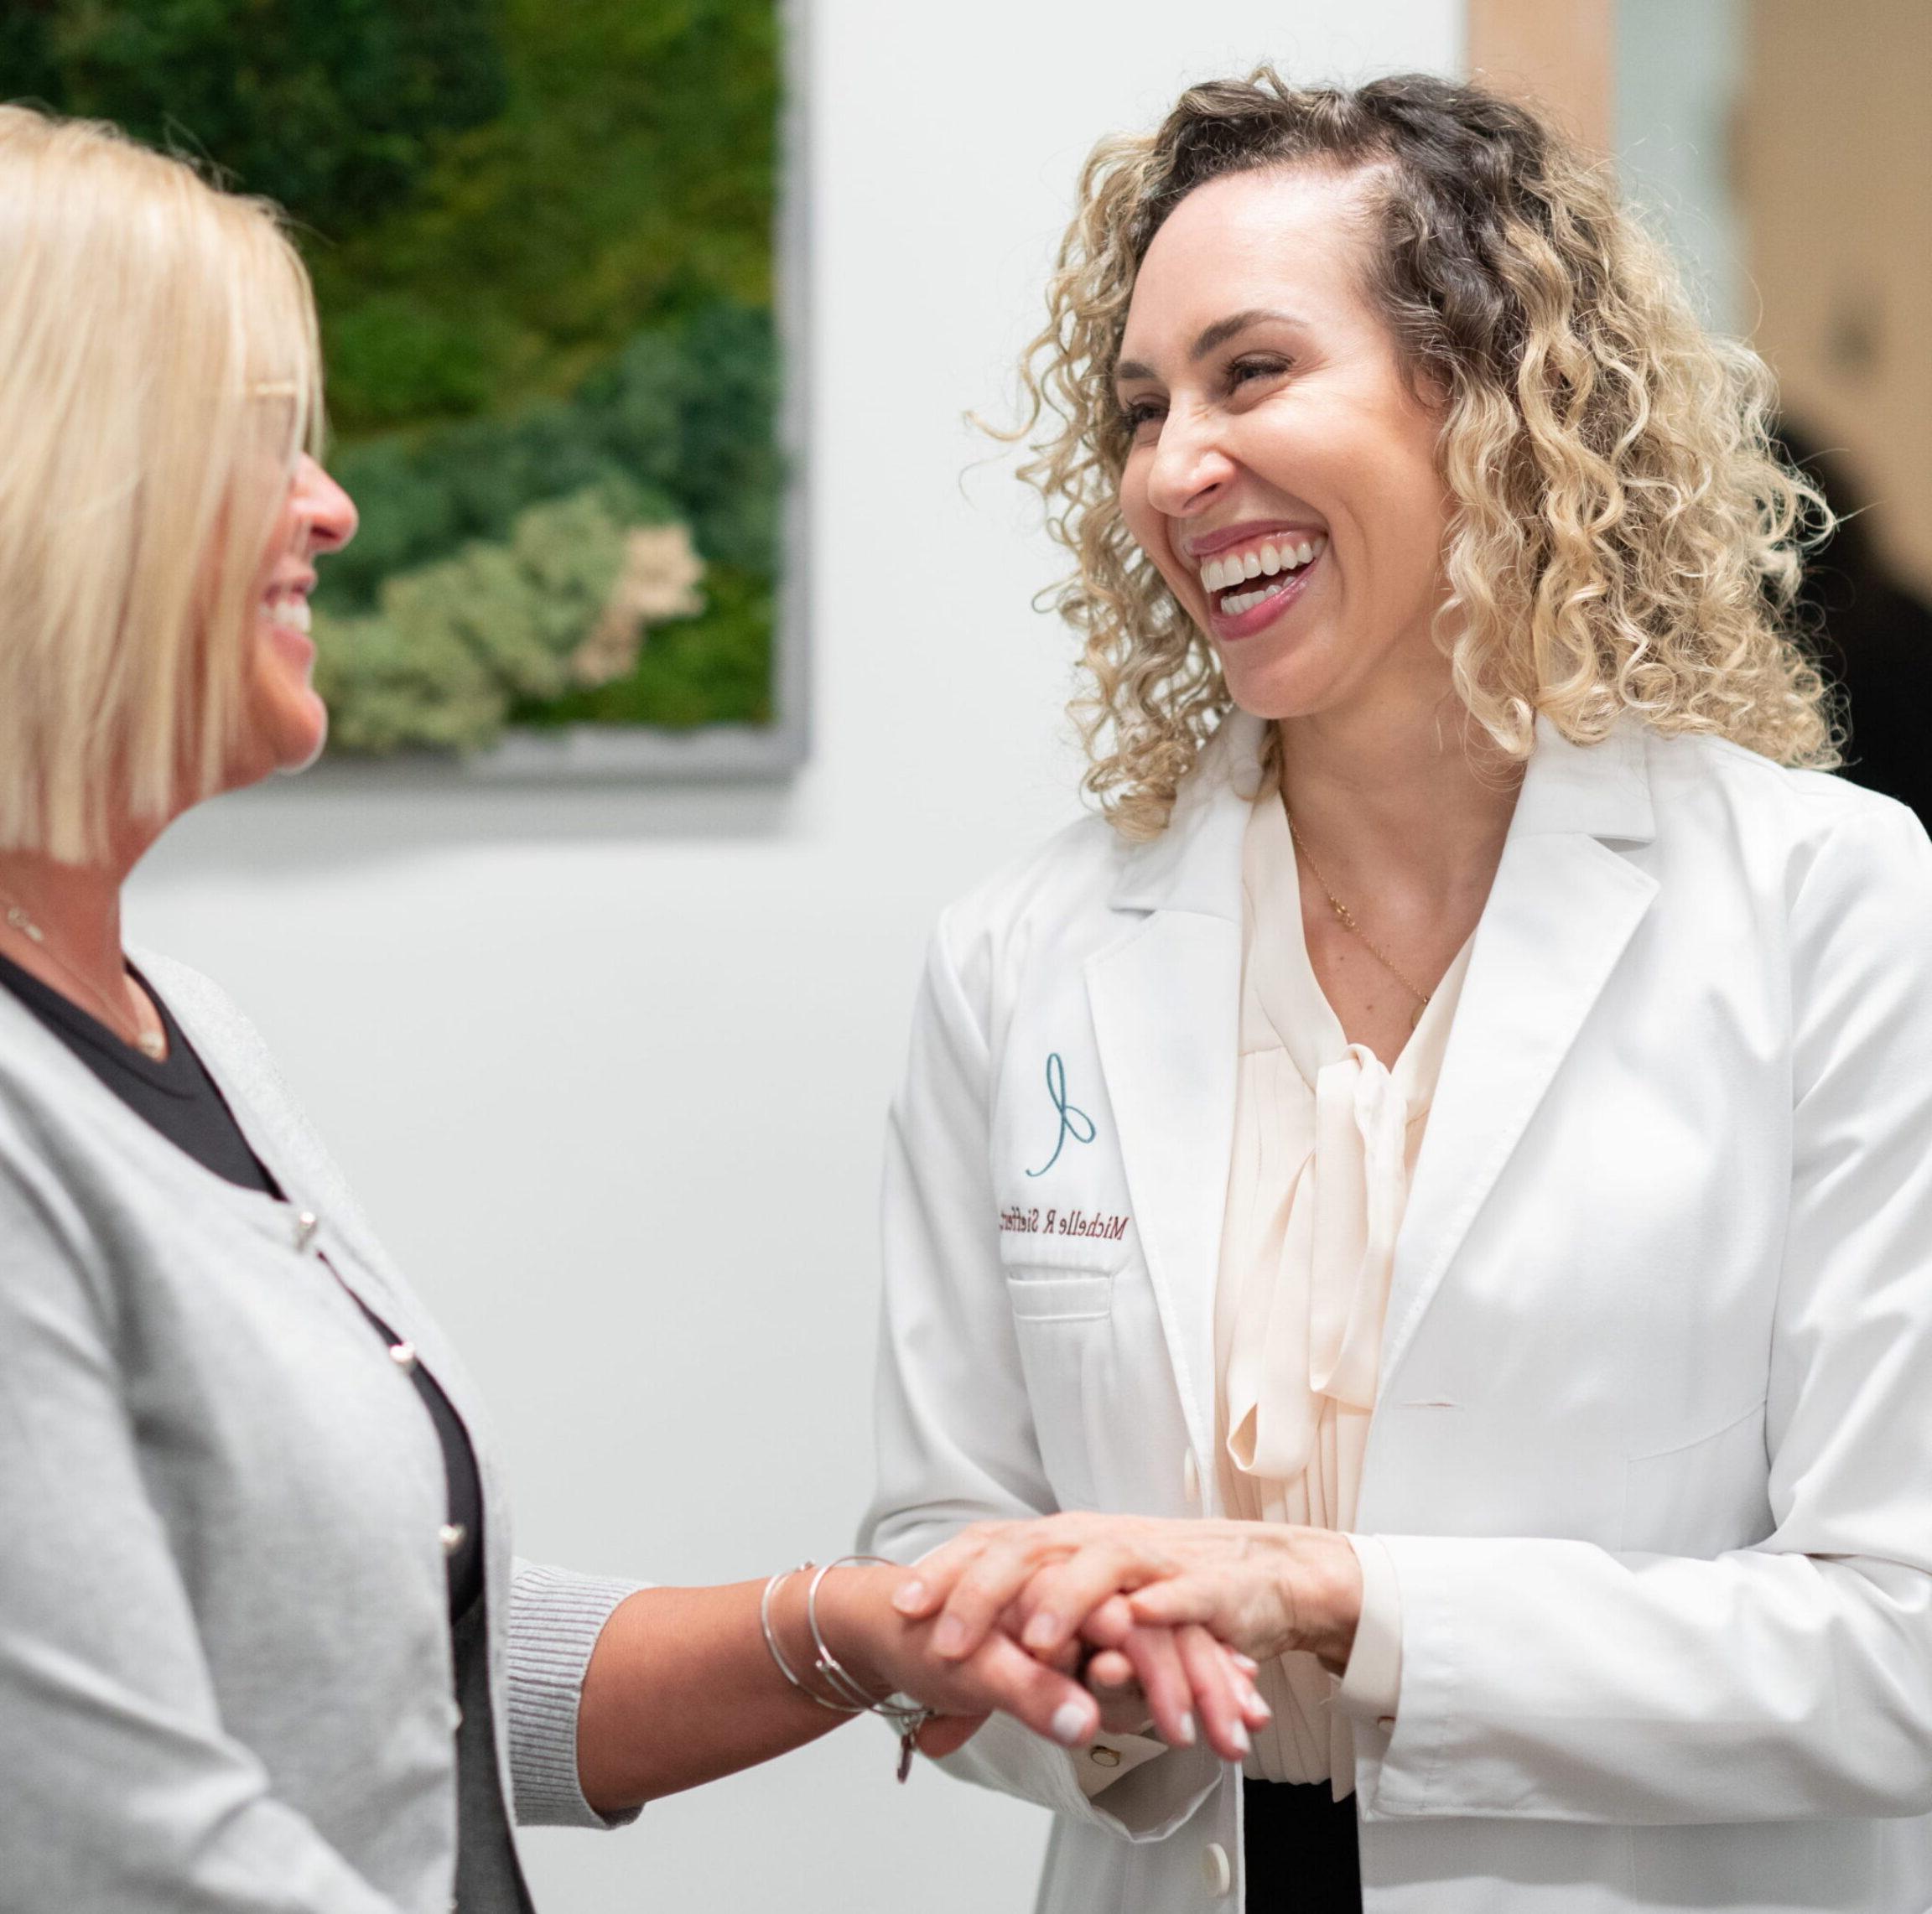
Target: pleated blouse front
(1326, 1140)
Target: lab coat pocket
(1700, 1497)
(1057, 1295)
(1062, 1320)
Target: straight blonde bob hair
(1623, 538)
(159, 378)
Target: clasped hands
(1163, 1623)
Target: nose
(328, 511)
(1190, 464)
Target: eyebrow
(1218, 334)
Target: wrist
(1325, 1592)
(859, 1622)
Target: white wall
(608, 1067)
(1678, 72)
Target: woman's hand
(1178, 1678)
(887, 1652)
(1262, 1588)
(1181, 1681)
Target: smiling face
(286, 725)
(1282, 474)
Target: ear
(1431, 387)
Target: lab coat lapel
(1166, 1002)
(1564, 906)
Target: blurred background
(608, 1060)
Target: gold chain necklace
(1346, 918)
(151, 1043)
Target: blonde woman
(262, 1644)
(1437, 1179)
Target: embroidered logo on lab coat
(1074, 1122)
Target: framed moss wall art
(547, 239)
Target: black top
(178, 1096)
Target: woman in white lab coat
(1437, 1180)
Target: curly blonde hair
(1622, 536)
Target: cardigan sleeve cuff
(555, 1619)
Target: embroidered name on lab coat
(1062, 1222)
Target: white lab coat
(1653, 1447)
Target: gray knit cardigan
(225, 1657)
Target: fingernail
(1247, 1663)
(949, 1637)
(1189, 1733)
(910, 1597)
(1071, 1724)
(1240, 1738)
(1042, 1631)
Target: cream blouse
(1324, 1141)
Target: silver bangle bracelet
(777, 1654)
(908, 1716)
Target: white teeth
(1236, 603)
(290, 612)
(1228, 568)
(1218, 573)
